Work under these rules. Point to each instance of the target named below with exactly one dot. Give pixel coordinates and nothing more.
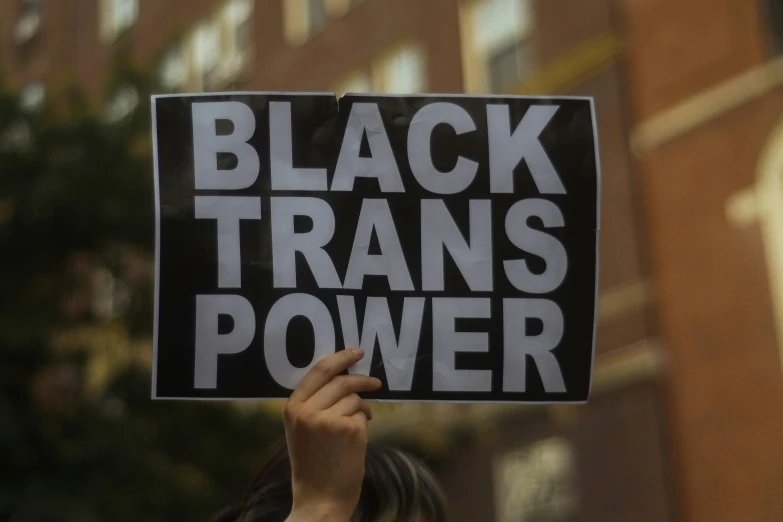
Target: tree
(80, 439)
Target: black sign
(454, 238)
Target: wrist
(319, 512)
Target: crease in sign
(378, 330)
(400, 362)
(365, 120)
(450, 379)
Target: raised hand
(326, 430)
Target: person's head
(397, 488)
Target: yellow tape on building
(573, 67)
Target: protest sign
(454, 238)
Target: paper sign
(454, 238)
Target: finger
(339, 387)
(360, 418)
(350, 405)
(324, 371)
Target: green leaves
(76, 237)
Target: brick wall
(677, 48)
(711, 286)
(716, 320)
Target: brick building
(686, 421)
(706, 100)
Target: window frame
(296, 18)
(363, 73)
(176, 52)
(210, 28)
(380, 68)
(28, 23)
(768, 203)
(476, 64)
(232, 44)
(376, 71)
(110, 28)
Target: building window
(122, 104)
(304, 18)
(32, 97)
(236, 29)
(536, 483)
(316, 15)
(117, 16)
(237, 15)
(767, 205)
(231, 40)
(774, 21)
(301, 18)
(174, 68)
(358, 82)
(29, 21)
(402, 71)
(497, 44)
(206, 50)
(215, 54)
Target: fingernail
(357, 351)
(377, 381)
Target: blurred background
(686, 418)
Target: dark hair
(397, 488)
